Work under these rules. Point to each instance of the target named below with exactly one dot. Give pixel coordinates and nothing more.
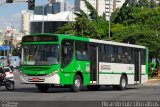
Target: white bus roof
(116, 43)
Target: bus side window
(110, 54)
(129, 58)
(120, 55)
(81, 50)
(67, 52)
(102, 53)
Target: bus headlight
(53, 73)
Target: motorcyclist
(2, 75)
(9, 84)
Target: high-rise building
(112, 5)
(44, 9)
(102, 6)
(38, 10)
(52, 1)
(54, 6)
(119, 3)
(79, 4)
(25, 21)
(62, 5)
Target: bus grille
(37, 68)
(36, 74)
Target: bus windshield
(40, 54)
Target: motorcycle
(7, 82)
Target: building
(50, 21)
(44, 9)
(102, 6)
(51, 15)
(38, 10)
(119, 3)
(52, 1)
(79, 4)
(54, 6)
(25, 21)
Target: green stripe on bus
(147, 65)
(117, 73)
(114, 73)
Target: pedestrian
(15, 63)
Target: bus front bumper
(54, 79)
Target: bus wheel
(93, 87)
(42, 87)
(123, 82)
(77, 82)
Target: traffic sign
(5, 47)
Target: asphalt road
(25, 92)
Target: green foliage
(67, 29)
(93, 13)
(139, 22)
(143, 3)
(91, 26)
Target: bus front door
(94, 66)
(137, 61)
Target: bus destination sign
(40, 39)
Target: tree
(92, 25)
(67, 29)
(138, 24)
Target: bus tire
(42, 87)
(93, 87)
(77, 82)
(123, 83)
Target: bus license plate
(35, 79)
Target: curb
(152, 82)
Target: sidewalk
(153, 81)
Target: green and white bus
(64, 60)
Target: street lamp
(43, 17)
(43, 20)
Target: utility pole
(97, 5)
(149, 4)
(109, 34)
(43, 20)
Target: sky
(10, 13)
